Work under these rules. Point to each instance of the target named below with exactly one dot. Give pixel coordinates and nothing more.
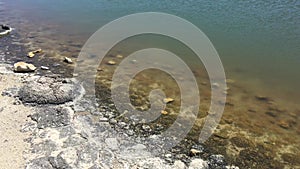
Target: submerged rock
(168, 100)
(32, 53)
(68, 60)
(111, 62)
(163, 112)
(119, 56)
(24, 67)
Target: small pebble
(103, 119)
(119, 56)
(68, 60)
(195, 151)
(163, 112)
(111, 62)
(215, 85)
(45, 68)
(168, 100)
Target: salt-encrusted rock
(198, 164)
(24, 67)
(179, 165)
(39, 163)
(49, 91)
(58, 162)
(52, 117)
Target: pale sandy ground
(12, 117)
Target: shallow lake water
(257, 41)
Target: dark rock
(52, 117)
(5, 27)
(240, 142)
(271, 113)
(217, 162)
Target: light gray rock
(179, 165)
(198, 164)
(112, 143)
(52, 117)
(48, 91)
(39, 163)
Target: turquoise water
(258, 41)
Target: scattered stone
(1, 109)
(32, 53)
(5, 30)
(168, 100)
(103, 119)
(215, 85)
(111, 62)
(56, 64)
(262, 98)
(204, 83)
(198, 164)
(230, 81)
(45, 68)
(194, 152)
(68, 60)
(284, 124)
(119, 56)
(163, 112)
(23, 67)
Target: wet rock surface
(68, 135)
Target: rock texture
(68, 131)
(44, 90)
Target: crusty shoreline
(50, 134)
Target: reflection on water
(258, 42)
